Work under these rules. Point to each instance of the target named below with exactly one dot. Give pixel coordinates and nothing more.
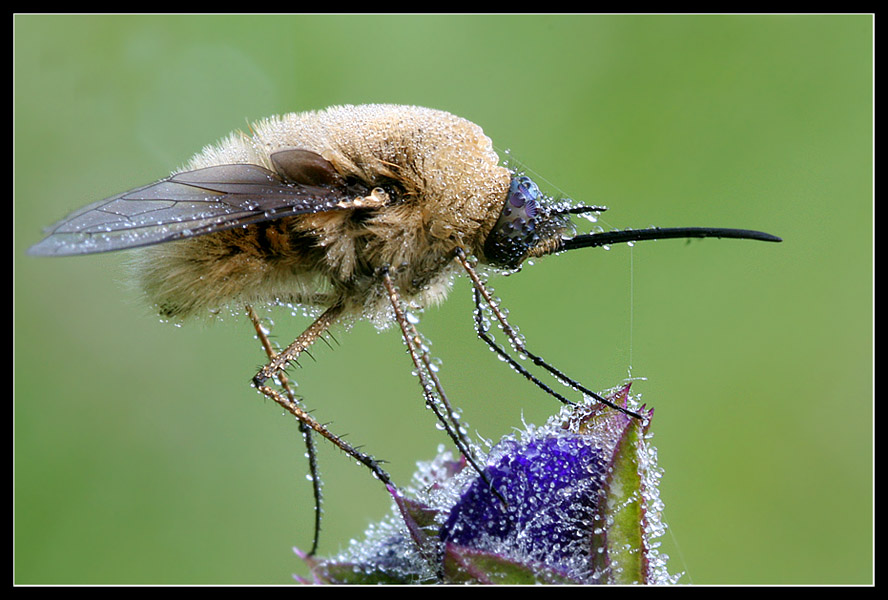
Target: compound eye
(515, 231)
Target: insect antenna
(578, 210)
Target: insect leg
(304, 429)
(275, 368)
(432, 389)
(518, 344)
(482, 330)
(299, 345)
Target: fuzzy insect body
(355, 211)
(306, 209)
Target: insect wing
(185, 205)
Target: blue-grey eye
(523, 196)
(515, 231)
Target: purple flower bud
(575, 501)
(551, 490)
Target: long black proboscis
(606, 238)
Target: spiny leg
(275, 369)
(299, 345)
(482, 330)
(432, 389)
(483, 293)
(305, 430)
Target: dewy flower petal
(576, 502)
(550, 487)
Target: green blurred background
(143, 456)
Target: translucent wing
(195, 203)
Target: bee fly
(359, 212)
